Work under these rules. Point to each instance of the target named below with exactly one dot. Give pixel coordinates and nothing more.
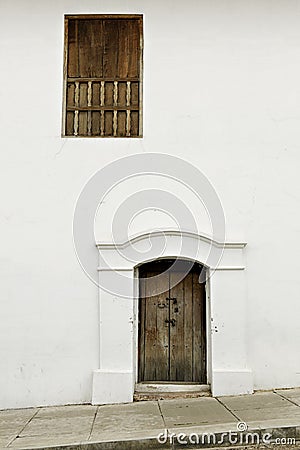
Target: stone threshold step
(166, 390)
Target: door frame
(228, 368)
(173, 385)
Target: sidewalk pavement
(137, 425)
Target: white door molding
(228, 371)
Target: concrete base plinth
(231, 382)
(112, 387)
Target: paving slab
(194, 412)
(290, 394)
(6, 439)
(11, 428)
(287, 414)
(66, 411)
(12, 422)
(255, 401)
(43, 442)
(273, 423)
(58, 427)
(22, 415)
(263, 410)
(128, 421)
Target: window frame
(68, 17)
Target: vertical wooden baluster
(128, 98)
(76, 122)
(102, 100)
(89, 93)
(115, 120)
(89, 103)
(76, 113)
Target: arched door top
(150, 246)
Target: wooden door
(172, 335)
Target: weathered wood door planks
(172, 318)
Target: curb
(264, 438)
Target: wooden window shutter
(103, 76)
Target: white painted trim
(110, 371)
(114, 269)
(208, 326)
(129, 269)
(226, 344)
(135, 342)
(175, 233)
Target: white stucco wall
(221, 89)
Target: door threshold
(167, 386)
(167, 390)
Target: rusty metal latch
(172, 299)
(162, 305)
(171, 321)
